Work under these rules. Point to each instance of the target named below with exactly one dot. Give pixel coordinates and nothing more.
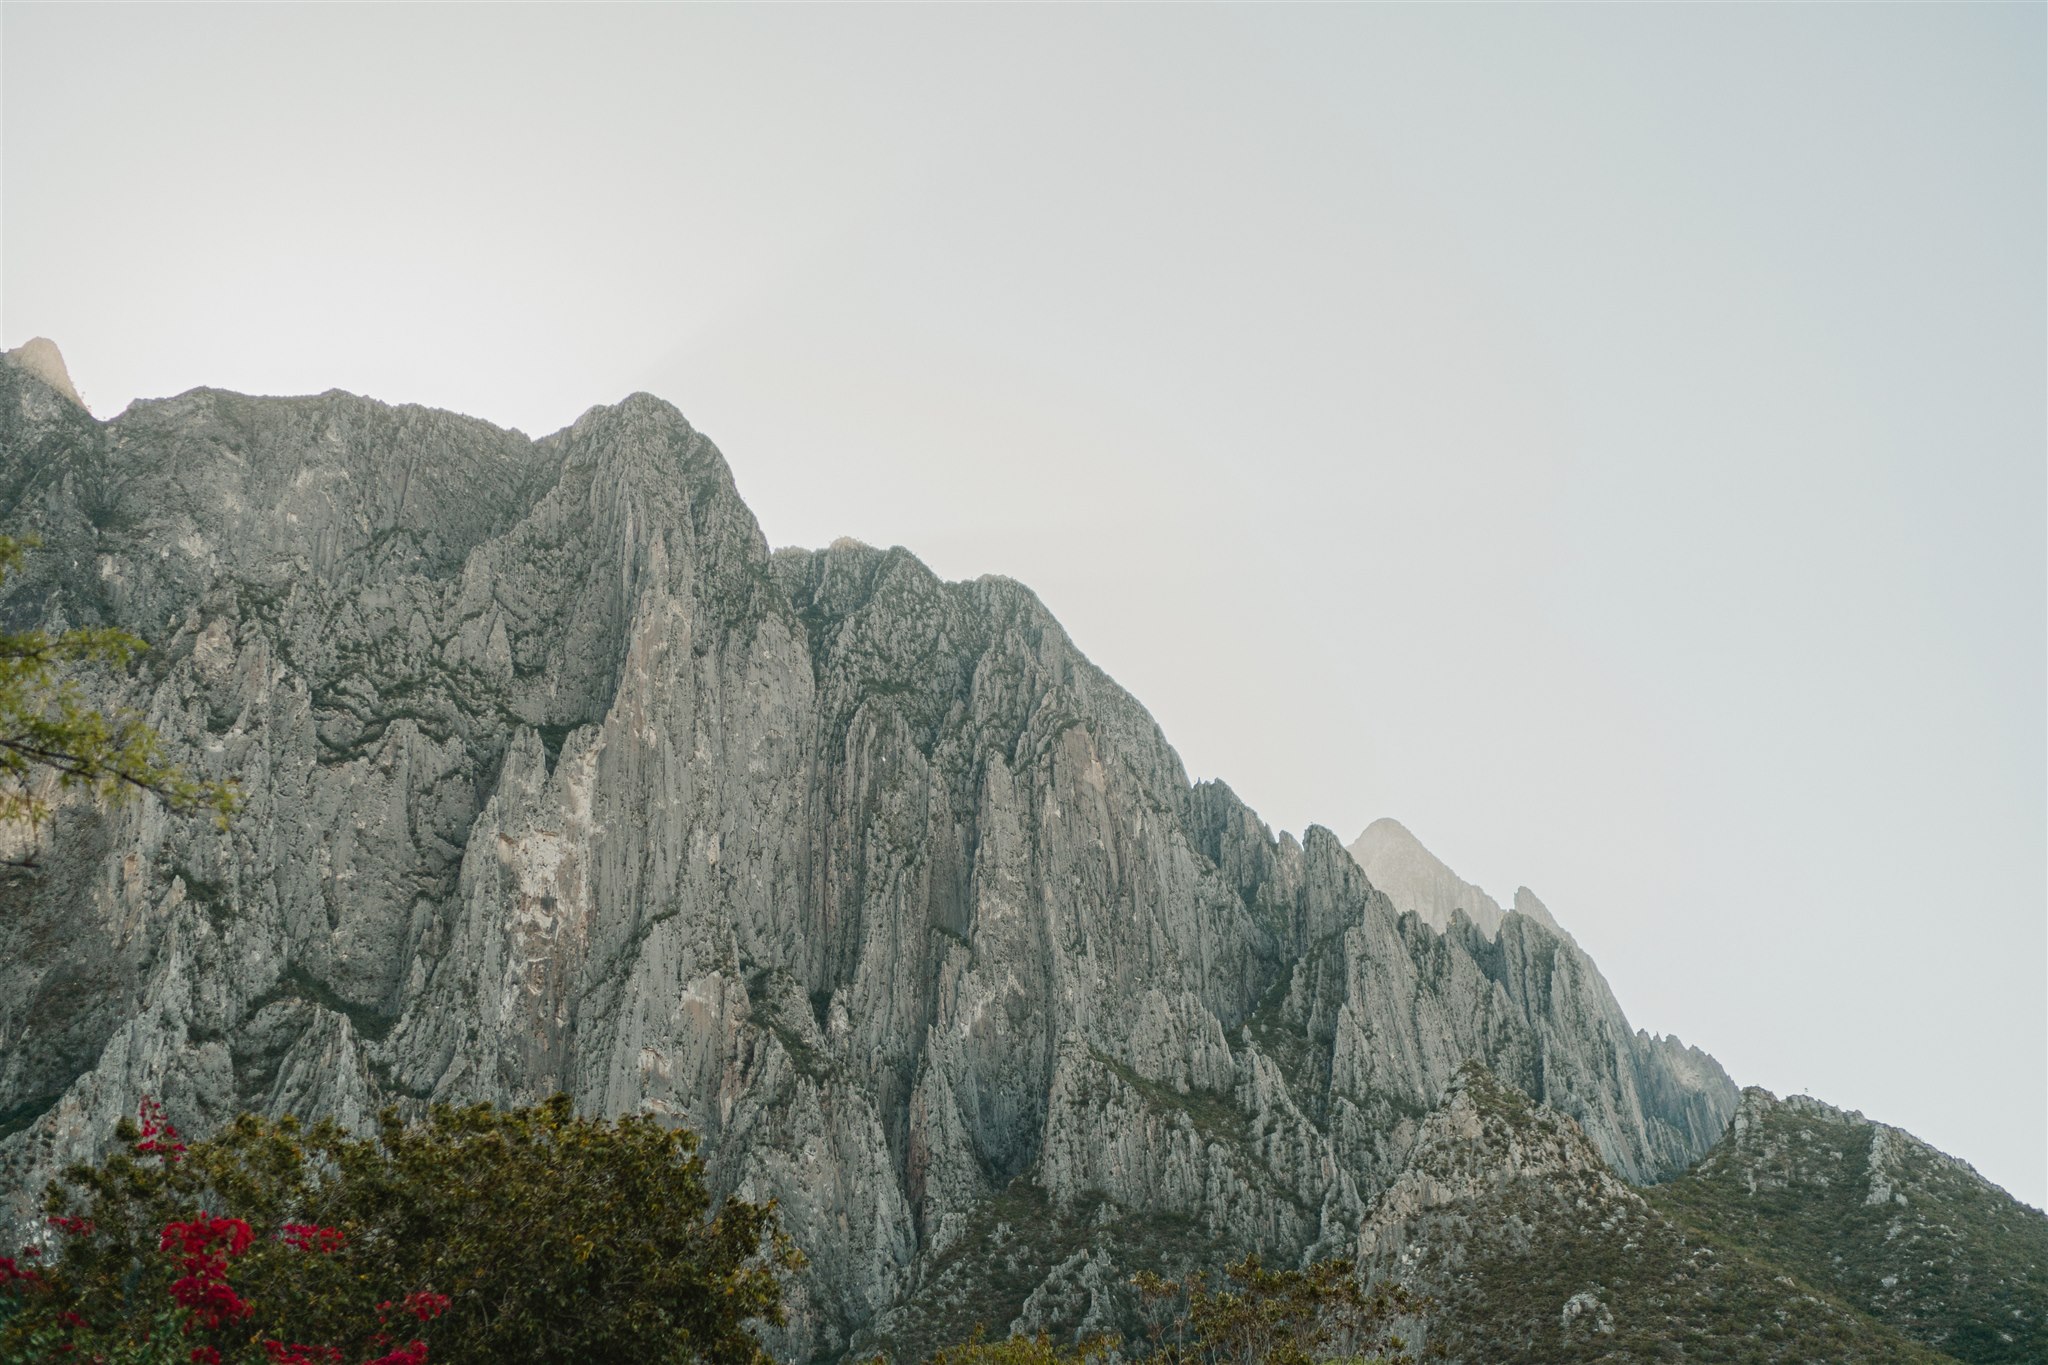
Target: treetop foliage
(47, 724)
(527, 1235)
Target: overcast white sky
(1609, 439)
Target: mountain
(557, 779)
(1416, 880)
(1532, 1250)
(40, 357)
(1869, 1213)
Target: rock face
(1533, 1250)
(41, 358)
(1416, 880)
(1914, 1238)
(557, 779)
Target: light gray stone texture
(558, 779)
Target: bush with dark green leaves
(477, 1235)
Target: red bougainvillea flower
(426, 1306)
(308, 1237)
(77, 1227)
(412, 1353)
(159, 1135)
(213, 1302)
(205, 1355)
(10, 1273)
(200, 1235)
(204, 1289)
(282, 1354)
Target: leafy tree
(526, 1235)
(47, 725)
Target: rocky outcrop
(1529, 1248)
(1913, 1237)
(1416, 880)
(40, 357)
(557, 779)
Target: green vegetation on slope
(1917, 1240)
(1548, 1278)
(1535, 1252)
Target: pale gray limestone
(558, 779)
(1417, 880)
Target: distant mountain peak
(1415, 879)
(1527, 904)
(41, 358)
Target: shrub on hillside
(478, 1235)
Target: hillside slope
(1534, 1251)
(1868, 1212)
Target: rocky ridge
(1416, 880)
(1532, 1250)
(557, 779)
(1913, 1237)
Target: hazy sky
(1612, 440)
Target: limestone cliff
(558, 779)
